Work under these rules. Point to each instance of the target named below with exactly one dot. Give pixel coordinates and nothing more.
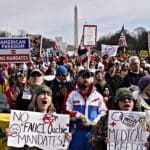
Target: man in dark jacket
(134, 74)
(114, 80)
(60, 86)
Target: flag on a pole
(122, 38)
(122, 45)
(55, 45)
(83, 54)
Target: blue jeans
(80, 140)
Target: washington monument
(75, 28)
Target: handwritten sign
(110, 50)
(46, 131)
(89, 35)
(127, 130)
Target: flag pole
(88, 62)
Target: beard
(84, 85)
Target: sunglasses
(21, 72)
(36, 75)
(22, 75)
(63, 75)
(123, 99)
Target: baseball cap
(36, 71)
(20, 72)
(85, 73)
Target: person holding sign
(85, 106)
(41, 102)
(124, 101)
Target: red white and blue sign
(15, 50)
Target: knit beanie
(121, 92)
(61, 70)
(143, 82)
(42, 89)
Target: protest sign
(45, 131)
(144, 53)
(110, 50)
(4, 123)
(14, 49)
(89, 35)
(127, 130)
(35, 44)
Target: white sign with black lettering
(34, 129)
(127, 130)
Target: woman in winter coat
(41, 102)
(124, 101)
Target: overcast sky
(52, 18)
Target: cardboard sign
(45, 131)
(127, 130)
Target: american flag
(55, 45)
(129, 121)
(122, 38)
(83, 54)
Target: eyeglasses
(123, 99)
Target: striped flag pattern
(55, 45)
(83, 54)
(122, 40)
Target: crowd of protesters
(74, 89)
